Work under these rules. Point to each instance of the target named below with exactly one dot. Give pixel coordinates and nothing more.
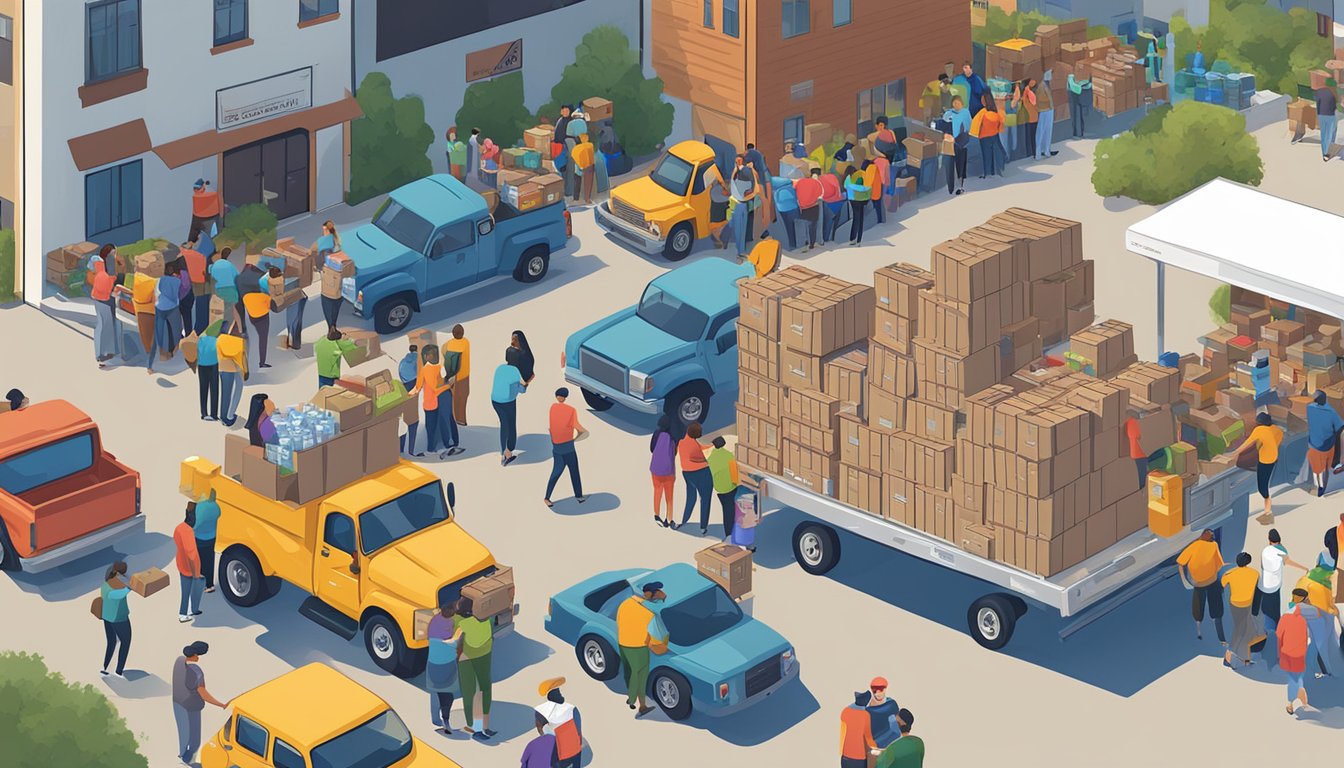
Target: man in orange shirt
(1134, 436)
(565, 431)
(1292, 636)
(194, 264)
(204, 208)
(856, 733)
(1198, 566)
(1241, 582)
(188, 565)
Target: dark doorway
(273, 171)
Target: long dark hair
(987, 101)
(255, 411)
(664, 425)
(116, 569)
(525, 347)
(1332, 542)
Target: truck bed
(80, 504)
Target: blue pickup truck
(436, 236)
(670, 353)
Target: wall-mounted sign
(263, 99)
(495, 61)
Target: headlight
(564, 358)
(786, 660)
(640, 383)
(723, 690)
(655, 229)
(550, 608)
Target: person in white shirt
(1272, 560)
(557, 717)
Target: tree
(388, 144)
(1278, 47)
(1195, 144)
(254, 225)
(496, 107)
(1001, 25)
(45, 720)
(605, 66)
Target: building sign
(495, 61)
(263, 99)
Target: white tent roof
(1240, 235)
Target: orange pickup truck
(62, 496)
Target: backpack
(452, 363)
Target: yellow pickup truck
(376, 555)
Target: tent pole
(1161, 306)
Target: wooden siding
(697, 64)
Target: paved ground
(1137, 672)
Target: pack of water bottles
(299, 428)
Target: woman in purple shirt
(260, 429)
(540, 752)
(664, 449)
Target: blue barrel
(1201, 93)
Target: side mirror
(451, 492)
(354, 568)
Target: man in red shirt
(833, 200)
(809, 192)
(565, 431)
(204, 208)
(188, 565)
(1292, 636)
(1134, 435)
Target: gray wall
(1095, 11)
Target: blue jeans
(790, 221)
(230, 394)
(1045, 132)
(188, 731)
(700, 482)
(989, 152)
(191, 593)
(1328, 124)
(325, 381)
(563, 456)
(508, 425)
(165, 334)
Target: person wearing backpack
(459, 346)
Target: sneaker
(480, 736)
(208, 590)
(119, 675)
(103, 672)
(183, 619)
(196, 613)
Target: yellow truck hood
(647, 197)
(416, 567)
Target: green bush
(1196, 143)
(1001, 25)
(605, 66)
(45, 720)
(388, 144)
(253, 224)
(1278, 47)
(496, 107)
(1220, 304)
(7, 264)
(131, 250)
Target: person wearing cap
(556, 717)
(565, 431)
(189, 698)
(908, 750)
(723, 470)
(856, 733)
(204, 208)
(639, 631)
(882, 711)
(1323, 428)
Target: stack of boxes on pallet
(68, 267)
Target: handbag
(1248, 459)
(96, 607)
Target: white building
(127, 102)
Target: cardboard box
(234, 446)
(265, 478)
(352, 410)
(344, 459)
(890, 371)
(491, 595)
(760, 299)
(367, 346)
(846, 378)
(897, 286)
(814, 438)
(1108, 348)
(883, 409)
(810, 469)
(934, 421)
(728, 566)
(147, 582)
(929, 463)
(552, 188)
(826, 316)
(381, 446)
(969, 496)
(760, 434)
(966, 327)
(750, 458)
(898, 499)
(310, 470)
(800, 370)
(760, 396)
(966, 271)
(966, 374)
(862, 446)
(861, 489)
(422, 338)
(595, 109)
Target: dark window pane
(98, 202)
(251, 736)
(730, 18)
(131, 186)
(340, 533)
(404, 26)
(709, 13)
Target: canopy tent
(1248, 238)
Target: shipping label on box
(810, 469)
(898, 499)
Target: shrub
(496, 107)
(1220, 304)
(1001, 25)
(605, 66)
(388, 144)
(45, 720)
(1278, 47)
(253, 224)
(131, 250)
(7, 265)
(1195, 144)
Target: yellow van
(315, 717)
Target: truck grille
(600, 369)
(763, 675)
(628, 213)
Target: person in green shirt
(905, 752)
(723, 469)
(478, 642)
(116, 617)
(329, 351)
(457, 155)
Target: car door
(721, 351)
(334, 581)
(488, 255)
(451, 263)
(251, 744)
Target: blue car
(719, 659)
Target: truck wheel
(598, 658)
(533, 265)
(672, 693)
(679, 242)
(991, 620)
(597, 402)
(816, 548)
(688, 403)
(387, 647)
(392, 314)
(241, 578)
(9, 559)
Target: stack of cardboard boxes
(299, 266)
(1015, 60)
(68, 266)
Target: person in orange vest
(561, 719)
(204, 209)
(639, 632)
(856, 733)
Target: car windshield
(404, 515)
(701, 616)
(400, 224)
(47, 464)
(672, 174)
(666, 312)
(381, 741)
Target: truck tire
(679, 242)
(816, 547)
(241, 579)
(9, 559)
(597, 402)
(597, 658)
(393, 314)
(671, 693)
(689, 403)
(387, 647)
(992, 619)
(533, 265)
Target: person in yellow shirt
(1198, 566)
(1240, 583)
(142, 301)
(639, 631)
(584, 158)
(1265, 439)
(764, 255)
(459, 345)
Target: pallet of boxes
(67, 268)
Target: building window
(406, 26)
(793, 129)
(230, 21)
(801, 91)
(709, 14)
(6, 50)
(883, 101)
(312, 10)
(114, 39)
(797, 19)
(1325, 25)
(113, 204)
(730, 18)
(844, 12)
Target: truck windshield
(668, 313)
(47, 464)
(400, 224)
(404, 515)
(700, 617)
(672, 174)
(381, 741)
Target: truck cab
(436, 236)
(670, 353)
(62, 495)
(668, 210)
